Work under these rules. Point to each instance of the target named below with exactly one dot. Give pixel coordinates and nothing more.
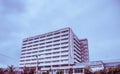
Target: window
(28, 53)
(56, 48)
(56, 61)
(41, 58)
(41, 62)
(25, 44)
(41, 51)
(78, 70)
(77, 57)
(33, 55)
(28, 56)
(23, 53)
(49, 46)
(35, 48)
(47, 61)
(41, 47)
(28, 49)
(28, 60)
(21, 64)
(55, 52)
(64, 55)
(48, 38)
(48, 49)
(34, 52)
(56, 44)
(42, 40)
(25, 40)
(36, 38)
(35, 45)
(55, 56)
(48, 54)
(23, 50)
(48, 42)
(77, 51)
(36, 41)
(41, 43)
(57, 37)
(56, 40)
(64, 60)
(77, 41)
(24, 47)
(64, 51)
(64, 43)
(64, 47)
(42, 36)
(56, 33)
(64, 31)
(29, 46)
(30, 39)
(33, 59)
(30, 42)
(22, 60)
(49, 35)
(47, 57)
(64, 35)
(22, 57)
(64, 39)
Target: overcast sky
(96, 20)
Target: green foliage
(70, 71)
(1, 71)
(11, 69)
(24, 70)
(87, 70)
(31, 71)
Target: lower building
(78, 68)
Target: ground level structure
(78, 68)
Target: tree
(70, 71)
(31, 71)
(1, 71)
(44, 72)
(111, 70)
(11, 69)
(87, 70)
(25, 69)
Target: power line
(7, 56)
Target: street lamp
(36, 64)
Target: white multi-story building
(55, 49)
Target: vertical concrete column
(83, 71)
(73, 71)
(64, 71)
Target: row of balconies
(45, 38)
(46, 44)
(46, 35)
(44, 51)
(45, 56)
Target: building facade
(84, 50)
(57, 49)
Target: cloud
(97, 20)
(12, 6)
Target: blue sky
(96, 20)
